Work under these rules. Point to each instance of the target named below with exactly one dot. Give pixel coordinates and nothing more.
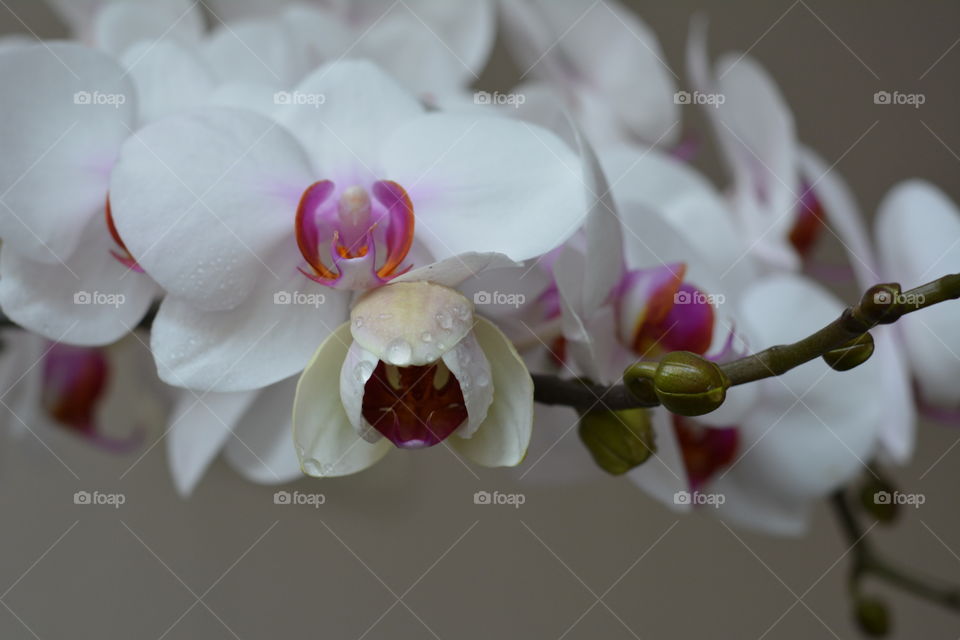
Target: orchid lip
(414, 407)
(359, 229)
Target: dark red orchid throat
(705, 450)
(809, 223)
(351, 239)
(414, 407)
(121, 253)
(75, 381)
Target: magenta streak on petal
(643, 298)
(400, 223)
(728, 351)
(549, 301)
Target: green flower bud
(685, 383)
(873, 616)
(850, 355)
(618, 440)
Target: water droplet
(483, 379)
(358, 322)
(363, 371)
(313, 467)
(426, 336)
(444, 320)
(327, 469)
(399, 352)
(385, 316)
(462, 312)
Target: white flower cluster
(331, 232)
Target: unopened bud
(872, 616)
(618, 440)
(880, 304)
(850, 355)
(685, 383)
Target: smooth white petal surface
(327, 444)
(453, 271)
(486, 185)
(262, 450)
(844, 217)
(219, 190)
(813, 428)
(169, 78)
(62, 127)
(199, 430)
(121, 25)
(353, 108)
(91, 299)
(502, 439)
(918, 228)
(599, 49)
(268, 337)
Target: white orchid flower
(917, 232)
(429, 47)
(274, 225)
(598, 60)
(65, 272)
(416, 368)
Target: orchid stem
(867, 562)
(881, 304)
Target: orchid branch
(840, 341)
(871, 612)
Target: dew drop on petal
(426, 336)
(358, 322)
(385, 316)
(399, 352)
(313, 467)
(462, 312)
(363, 371)
(444, 320)
(483, 379)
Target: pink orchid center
(356, 237)
(705, 450)
(75, 381)
(414, 407)
(121, 253)
(674, 315)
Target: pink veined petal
(307, 226)
(399, 224)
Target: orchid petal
(327, 444)
(216, 188)
(469, 177)
(503, 437)
(60, 139)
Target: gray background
(229, 563)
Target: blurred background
(402, 551)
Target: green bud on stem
(850, 355)
(685, 383)
(618, 440)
